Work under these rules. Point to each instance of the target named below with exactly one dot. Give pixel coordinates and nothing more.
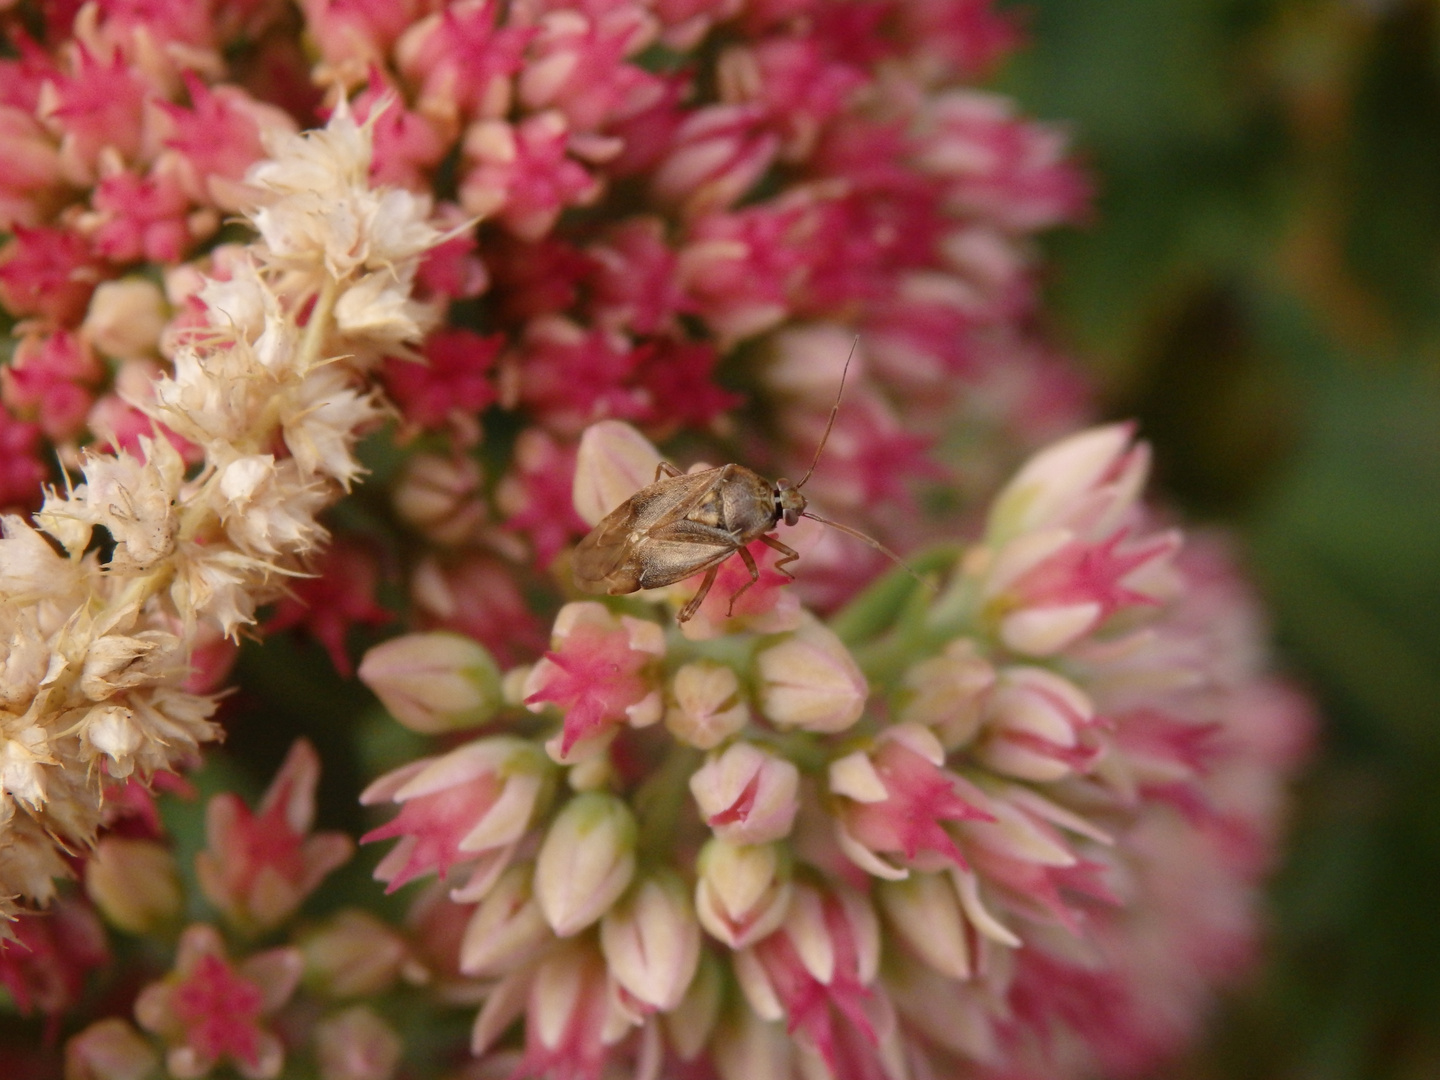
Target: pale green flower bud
(134, 883)
(651, 941)
(809, 680)
(705, 704)
(947, 692)
(743, 891)
(585, 862)
(434, 683)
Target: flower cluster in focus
(919, 840)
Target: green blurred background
(1261, 287)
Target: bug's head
(789, 503)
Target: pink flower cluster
(942, 837)
(646, 201)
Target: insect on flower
(684, 523)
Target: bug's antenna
(873, 543)
(834, 411)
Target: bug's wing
(645, 542)
(599, 564)
(675, 555)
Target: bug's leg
(787, 555)
(749, 561)
(667, 470)
(693, 604)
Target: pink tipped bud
(433, 683)
(507, 929)
(947, 692)
(110, 1050)
(126, 318)
(439, 496)
(614, 462)
(810, 681)
(1034, 726)
(353, 954)
(1085, 482)
(748, 796)
(651, 941)
(706, 706)
(743, 891)
(585, 862)
(134, 883)
(356, 1045)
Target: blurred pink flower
(258, 867)
(210, 1011)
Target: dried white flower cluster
(94, 650)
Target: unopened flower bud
(126, 318)
(356, 1045)
(586, 861)
(706, 706)
(809, 680)
(1085, 482)
(743, 891)
(946, 693)
(747, 795)
(925, 911)
(439, 497)
(507, 928)
(1034, 724)
(434, 682)
(614, 461)
(134, 883)
(354, 954)
(110, 1050)
(689, 1024)
(651, 941)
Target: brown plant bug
(684, 523)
